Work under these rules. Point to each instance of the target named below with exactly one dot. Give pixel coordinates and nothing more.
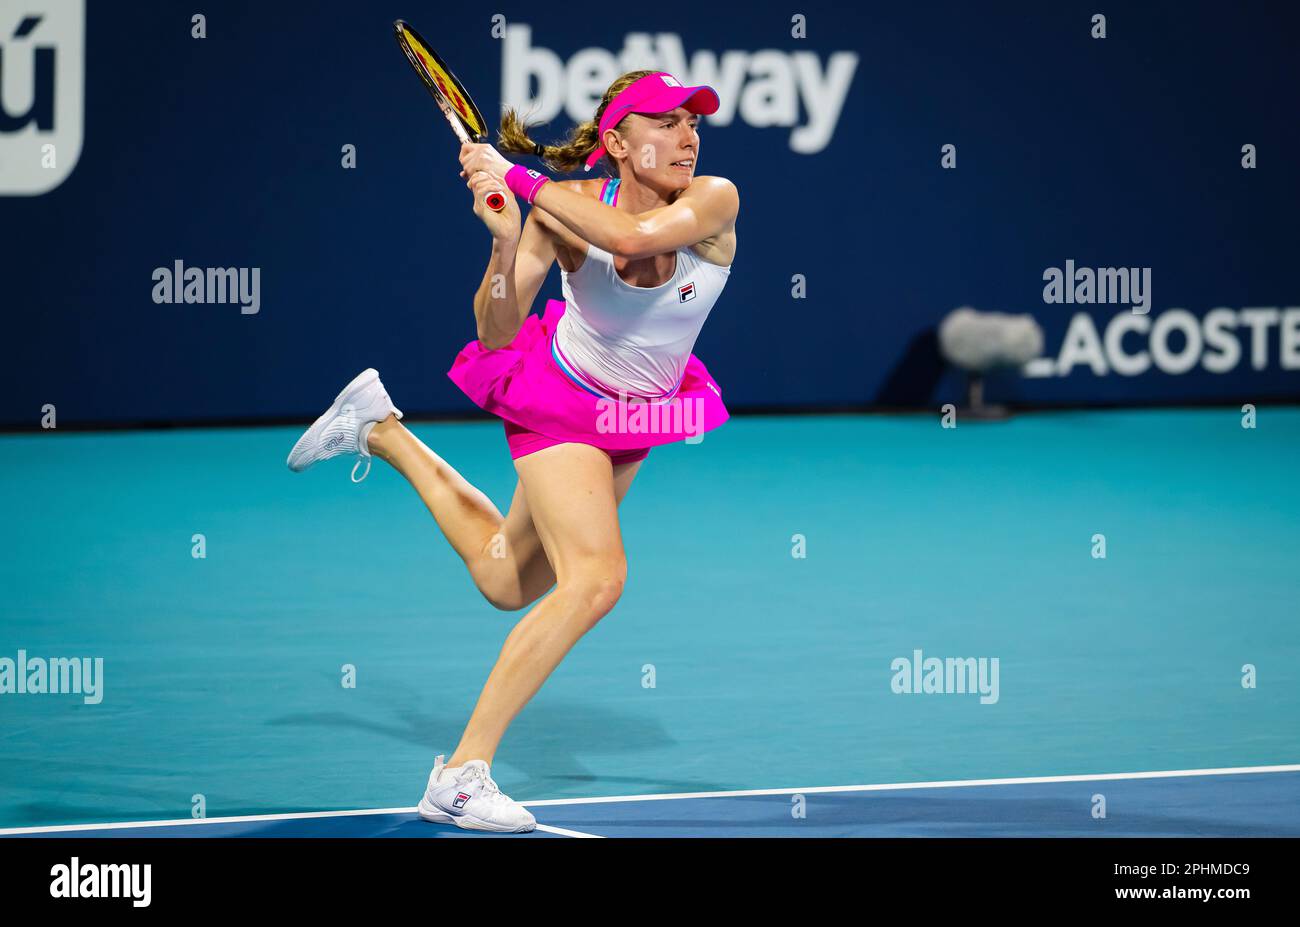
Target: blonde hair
(572, 153)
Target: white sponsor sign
(42, 92)
(764, 88)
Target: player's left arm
(707, 208)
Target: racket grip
(496, 201)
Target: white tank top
(615, 336)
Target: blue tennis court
(777, 572)
(1239, 803)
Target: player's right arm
(515, 274)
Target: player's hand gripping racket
(449, 93)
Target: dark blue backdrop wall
(226, 151)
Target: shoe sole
(467, 821)
(361, 380)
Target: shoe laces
(477, 769)
(349, 412)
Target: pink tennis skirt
(543, 405)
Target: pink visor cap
(659, 92)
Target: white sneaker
(346, 425)
(467, 797)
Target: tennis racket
(449, 93)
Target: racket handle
(496, 201)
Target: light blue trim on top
(609, 192)
(568, 371)
(559, 362)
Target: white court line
(957, 783)
(564, 832)
(817, 789)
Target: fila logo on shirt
(461, 798)
(686, 292)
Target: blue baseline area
(1266, 804)
(1235, 805)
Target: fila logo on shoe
(461, 798)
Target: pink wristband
(525, 183)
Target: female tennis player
(584, 392)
